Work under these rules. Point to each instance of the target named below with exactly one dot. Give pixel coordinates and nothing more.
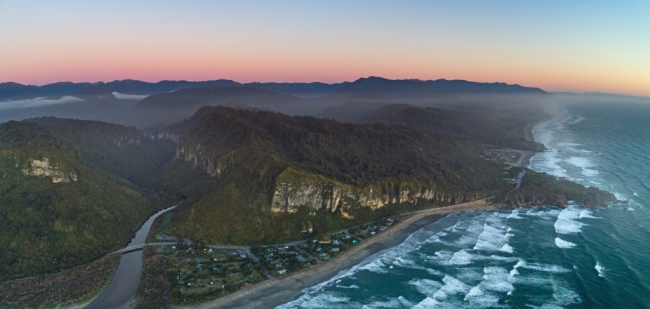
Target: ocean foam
(427, 303)
(587, 214)
(566, 221)
(496, 279)
(514, 271)
(399, 302)
(549, 268)
(491, 239)
(560, 243)
(426, 286)
(376, 266)
(462, 257)
(514, 215)
(600, 269)
(452, 286)
(354, 286)
(507, 248)
(589, 172)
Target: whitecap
(507, 248)
(549, 268)
(376, 266)
(427, 303)
(354, 286)
(490, 239)
(600, 269)
(426, 286)
(462, 257)
(561, 243)
(452, 286)
(587, 214)
(566, 221)
(514, 271)
(514, 215)
(496, 279)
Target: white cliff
(42, 168)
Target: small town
(205, 272)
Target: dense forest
(244, 151)
(47, 225)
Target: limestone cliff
(200, 160)
(294, 189)
(127, 142)
(42, 168)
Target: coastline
(278, 291)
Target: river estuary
(122, 287)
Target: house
(300, 258)
(282, 271)
(242, 255)
(354, 241)
(335, 242)
(335, 249)
(322, 254)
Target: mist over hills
(376, 85)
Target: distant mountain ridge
(16, 91)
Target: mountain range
(377, 85)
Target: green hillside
(57, 211)
(266, 175)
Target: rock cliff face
(199, 160)
(42, 168)
(288, 197)
(163, 135)
(127, 142)
(294, 189)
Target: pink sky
(543, 46)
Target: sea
(542, 257)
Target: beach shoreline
(278, 291)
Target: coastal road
(520, 177)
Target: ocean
(542, 257)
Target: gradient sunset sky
(556, 45)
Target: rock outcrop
(199, 160)
(42, 168)
(295, 189)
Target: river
(122, 287)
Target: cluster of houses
(206, 267)
(212, 268)
(282, 260)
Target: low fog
(146, 110)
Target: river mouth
(124, 283)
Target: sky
(581, 46)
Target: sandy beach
(277, 291)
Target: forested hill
(56, 210)
(272, 174)
(485, 124)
